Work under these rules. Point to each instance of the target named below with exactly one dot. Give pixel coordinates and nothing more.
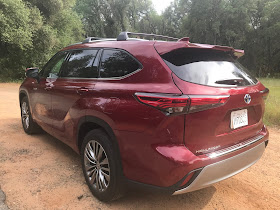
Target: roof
(162, 47)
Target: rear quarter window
(117, 63)
(208, 67)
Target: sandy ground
(40, 172)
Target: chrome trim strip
(101, 49)
(224, 169)
(103, 79)
(235, 147)
(161, 95)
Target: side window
(80, 64)
(117, 63)
(52, 68)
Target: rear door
(226, 101)
(69, 92)
(114, 90)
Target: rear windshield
(208, 67)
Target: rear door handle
(82, 90)
(48, 88)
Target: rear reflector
(179, 104)
(187, 179)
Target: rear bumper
(224, 169)
(172, 167)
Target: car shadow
(142, 199)
(134, 198)
(14, 126)
(57, 144)
(193, 200)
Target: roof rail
(123, 36)
(90, 39)
(96, 39)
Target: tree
(32, 30)
(247, 24)
(29, 36)
(270, 31)
(108, 18)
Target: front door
(41, 95)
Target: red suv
(169, 115)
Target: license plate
(239, 118)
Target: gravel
(40, 172)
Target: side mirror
(32, 73)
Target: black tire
(28, 124)
(96, 166)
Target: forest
(31, 31)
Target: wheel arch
(22, 94)
(88, 123)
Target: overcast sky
(160, 5)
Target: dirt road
(39, 172)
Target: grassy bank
(272, 109)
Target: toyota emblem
(247, 98)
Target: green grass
(4, 80)
(272, 106)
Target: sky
(160, 5)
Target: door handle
(82, 90)
(48, 88)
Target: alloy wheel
(25, 115)
(97, 166)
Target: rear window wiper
(237, 81)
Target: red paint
(155, 149)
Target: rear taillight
(178, 104)
(203, 102)
(169, 104)
(265, 93)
